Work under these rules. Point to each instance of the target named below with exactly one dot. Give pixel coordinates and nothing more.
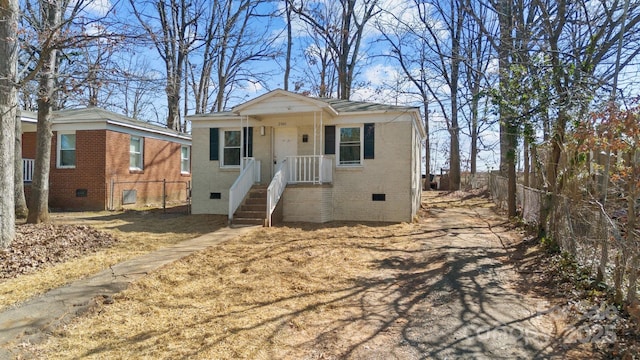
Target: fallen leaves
(39, 245)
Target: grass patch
(138, 232)
(261, 296)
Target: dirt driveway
(442, 288)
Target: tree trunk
(512, 139)
(173, 104)
(504, 49)
(427, 147)
(474, 134)
(39, 201)
(508, 135)
(344, 85)
(527, 164)
(8, 105)
(287, 62)
(454, 131)
(21, 210)
(631, 227)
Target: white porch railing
(248, 176)
(27, 170)
(276, 188)
(314, 169)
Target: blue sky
(376, 77)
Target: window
(136, 148)
(231, 148)
(66, 150)
(350, 146)
(185, 162)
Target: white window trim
(141, 153)
(188, 159)
(338, 129)
(59, 149)
(221, 141)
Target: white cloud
(92, 7)
(253, 87)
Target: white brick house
(309, 159)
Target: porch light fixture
(305, 138)
(261, 130)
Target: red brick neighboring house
(101, 160)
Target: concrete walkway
(32, 320)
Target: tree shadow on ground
(451, 297)
(149, 220)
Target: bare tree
(136, 89)
(287, 67)
(51, 12)
(411, 51)
(477, 55)
(48, 27)
(429, 46)
(321, 73)
(231, 46)
(171, 25)
(8, 105)
(21, 209)
(342, 28)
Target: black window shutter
(369, 141)
(214, 147)
(247, 151)
(329, 139)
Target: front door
(285, 144)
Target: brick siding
(102, 157)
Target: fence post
(164, 195)
(113, 185)
(188, 197)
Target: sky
(374, 81)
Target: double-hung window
(231, 148)
(185, 160)
(350, 146)
(136, 149)
(66, 150)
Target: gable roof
(334, 106)
(349, 106)
(93, 116)
(291, 102)
(282, 102)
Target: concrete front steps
(253, 210)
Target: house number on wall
(282, 123)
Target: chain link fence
(144, 193)
(582, 229)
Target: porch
(312, 170)
(27, 170)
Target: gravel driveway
(455, 299)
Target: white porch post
(242, 149)
(321, 150)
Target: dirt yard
(78, 244)
(445, 287)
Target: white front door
(285, 144)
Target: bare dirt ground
(454, 285)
